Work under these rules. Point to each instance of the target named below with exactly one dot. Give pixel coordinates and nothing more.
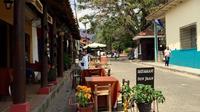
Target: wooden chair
(103, 91)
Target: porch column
(60, 54)
(19, 75)
(44, 55)
(74, 51)
(71, 48)
(155, 42)
(18, 62)
(54, 45)
(69, 45)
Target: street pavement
(181, 90)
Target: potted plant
(83, 97)
(144, 95)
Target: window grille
(188, 37)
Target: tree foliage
(117, 21)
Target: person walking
(167, 54)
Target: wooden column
(18, 48)
(54, 43)
(74, 51)
(44, 56)
(71, 47)
(60, 54)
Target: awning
(95, 45)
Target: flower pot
(144, 107)
(85, 109)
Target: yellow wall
(7, 16)
(184, 14)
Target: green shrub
(146, 94)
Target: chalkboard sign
(145, 76)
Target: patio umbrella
(94, 45)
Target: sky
(80, 14)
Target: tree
(118, 20)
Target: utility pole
(155, 42)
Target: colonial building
(145, 45)
(182, 31)
(33, 35)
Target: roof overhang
(146, 37)
(160, 13)
(62, 10)
(38, 5)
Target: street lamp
(8, 3)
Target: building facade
(182, 31)
(33, 31)
(145, 45)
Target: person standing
(85, 60)
(167, 54)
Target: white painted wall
(34, 44)
(184, 14)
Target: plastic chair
(103, 91)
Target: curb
(171, 69)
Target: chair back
(99, 90)
(124, 82)
(103, 90)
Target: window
(188, 37)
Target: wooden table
(115, 88)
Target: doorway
(5, 34)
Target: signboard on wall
(145, 76)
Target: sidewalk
(181, 69)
